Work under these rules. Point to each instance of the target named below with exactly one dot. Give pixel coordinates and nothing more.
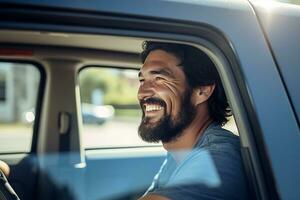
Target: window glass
(110, 110)
(18, 94)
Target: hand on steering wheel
(6, 191)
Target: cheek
(172, 95)
(176, 104)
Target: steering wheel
(6, 191)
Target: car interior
(57, 148)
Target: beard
(167, 129)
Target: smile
(152, 107)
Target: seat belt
(6, 191)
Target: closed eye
(158, 78)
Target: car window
(19, 84)
(110, 110)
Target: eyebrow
(164, 72)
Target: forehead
(159, 60)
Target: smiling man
(184, 107)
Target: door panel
(120, 176)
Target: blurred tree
(118, 89)
(89, 80)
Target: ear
(202, 94)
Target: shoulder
(218, 148)
(223, 148)
(213, 169)
(220, 140)
(217, 159)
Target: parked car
(254, 45)
(91, 114)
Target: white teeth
(153, 108)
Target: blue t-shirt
(212, 170)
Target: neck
(190, 135)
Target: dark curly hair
(200, 71)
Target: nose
(145, 90)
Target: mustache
(152, 100)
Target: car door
(281, 30)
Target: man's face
(164, 97)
